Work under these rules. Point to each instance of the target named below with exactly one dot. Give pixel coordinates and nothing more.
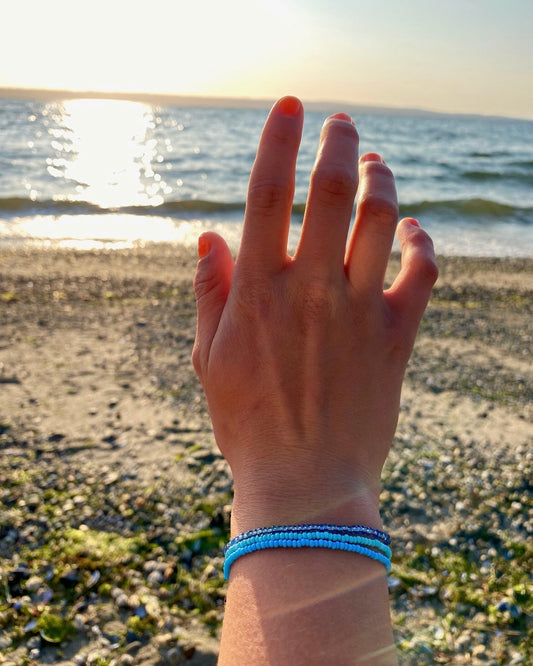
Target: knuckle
(378, 170)
(427, 263)
(209, 288)
(204, 283)
(281, 136)
(196, 359)
(255, 299)
(429, 270)
(379, 206)
(343, 130)
(266, 195)
(316, 302)
(335, 180)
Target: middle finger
(331, 198)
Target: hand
(302, 358)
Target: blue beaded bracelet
(357, 539)
(311, 536)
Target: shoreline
(104, 432)
(261, 103)
(146, 228)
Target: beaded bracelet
(317, 536)
(357, 539)
(360, 530)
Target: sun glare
(103, 148)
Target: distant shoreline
(163, 99)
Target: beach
(115, 501)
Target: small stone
(33, 501)
(175, 655)
(109, 438)
(97, 656)
(111, 478)
(152, 607)
(32, 624)
(188, 650)
(34, 583)
(44, 595)
(464, 640)
(121, 600)
(163, 639)
(70, 579)
(439, 634)
(133, 644)
(155, 578)
(134, 601)
(79, 622)
(93, 578)
(125, 660)
(394, 583)
(140, 611)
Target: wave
(480, 176)
(467, 209)
(473, 209)
(489, 154)
(523, 163)
(26, 206)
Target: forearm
(307, 606)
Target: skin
(302, 360)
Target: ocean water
(111, 173)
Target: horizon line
(220, 101)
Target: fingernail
(371, 157)
(342, 116)
(290, 106)
(204, 247)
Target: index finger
(271, 189)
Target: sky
(466, 56)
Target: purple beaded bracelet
(359, 539)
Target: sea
(109, 173)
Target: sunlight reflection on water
(104, 146)
(113, 231)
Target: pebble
(125, 660)
(34, 583)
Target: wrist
(257, 506)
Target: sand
(95, 349)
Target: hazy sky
(450, 55)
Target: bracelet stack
(359, 539)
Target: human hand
(302, 358)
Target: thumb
(212, 283)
